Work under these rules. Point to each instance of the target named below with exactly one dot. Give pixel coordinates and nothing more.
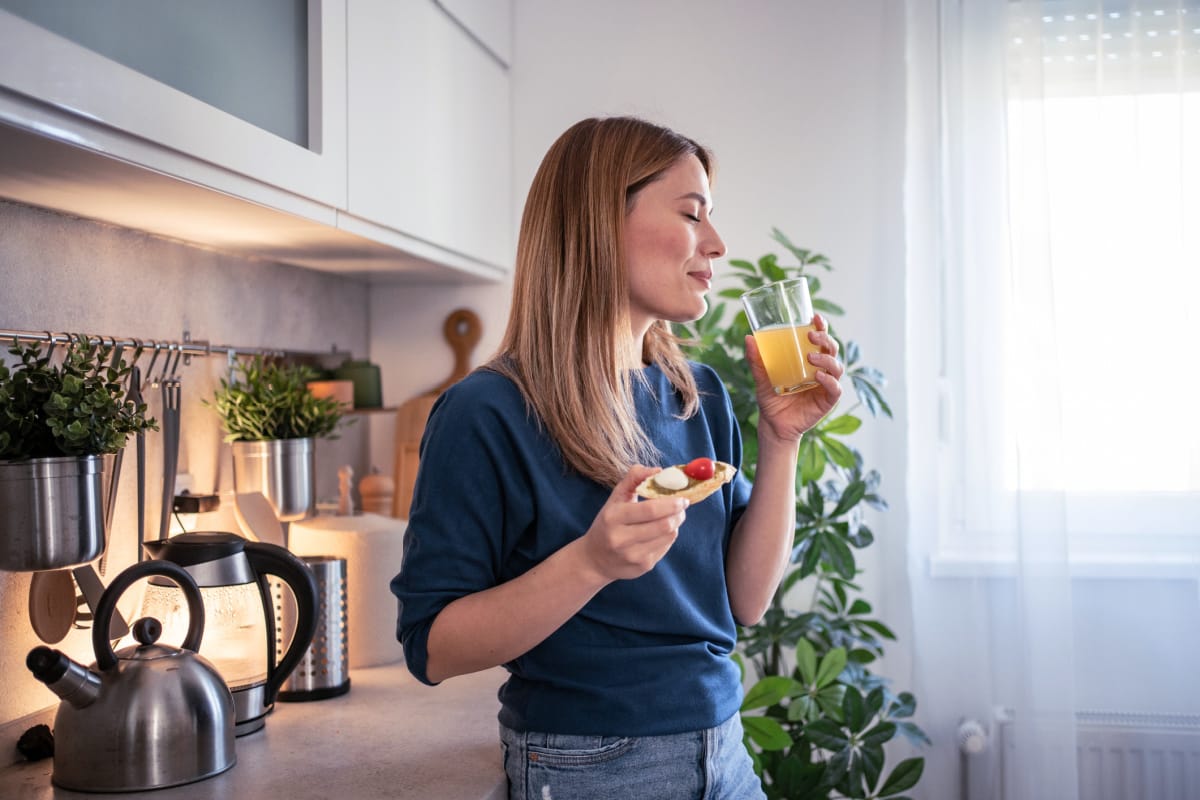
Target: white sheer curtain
(1054, 207)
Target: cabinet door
(429, 129)
(165, 87)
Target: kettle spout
(73, 682)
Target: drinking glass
(781, 316)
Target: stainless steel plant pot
(51, 512)
(283, 470)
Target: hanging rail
(186, 348)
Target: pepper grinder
(377, 491)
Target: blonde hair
(570, 294)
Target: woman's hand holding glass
(787, 417)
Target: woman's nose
(713, 244)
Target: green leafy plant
(76, 408)
(270, 400)
(817, 718)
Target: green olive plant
(78, 407)
(268, 399)
(817, 718)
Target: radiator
(1120, 756)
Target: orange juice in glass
(781, 316)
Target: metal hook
(175, 363)
(50, 337)
(150, 369)
(118, 350)
(162, 375)
(72, 342)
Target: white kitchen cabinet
(429, 134)
(59, 88)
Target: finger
(626, 490)
(654, 509)
(823, 340)
(831, 385)
(828, 363)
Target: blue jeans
(710, 764)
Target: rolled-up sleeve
(462, 522)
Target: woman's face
(670, 243)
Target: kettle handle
(106, 659)
(274, 560)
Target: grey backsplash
(65, 274)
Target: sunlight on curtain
(1053, 201)
(1104, 123)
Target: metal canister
(324, 671)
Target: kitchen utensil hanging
(172, 392)
(89, 582)
(52, 604)
(135, 395)
(91, 587)
(110, 501)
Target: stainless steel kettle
(147, 717)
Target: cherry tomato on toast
(700, 469)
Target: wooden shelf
(380, 410)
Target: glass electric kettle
(239, 636)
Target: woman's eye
(692, 217)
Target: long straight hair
(570, 302)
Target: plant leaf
(767, 733)
(768, 691)
(806, 661)
(903, 777)
(831, 666)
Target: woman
(526, 544)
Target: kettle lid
(211, 558)
(146, 632)
(197, 547)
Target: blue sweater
(493, 497)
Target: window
(1085, 272)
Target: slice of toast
(696, 490)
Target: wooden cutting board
(462, 330)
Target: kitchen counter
(388, 737)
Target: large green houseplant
(816, 718)
(59, 423)
(272, 420)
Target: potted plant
(816, 718)
(272, 421)
(58, 422)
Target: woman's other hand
(786, 417)
(629, 535)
